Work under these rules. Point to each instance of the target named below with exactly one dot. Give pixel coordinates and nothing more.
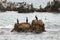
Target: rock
(22, 27)
(37, 26)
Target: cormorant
(36, 17)
(17, 21)
(26, 19)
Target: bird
(36, 17)
(26, 19)
(17, 21)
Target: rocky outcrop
(22, 27)
(37, 26)
(53, 6)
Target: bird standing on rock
(36, 17)
(26, 19)
(17, 21)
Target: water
(8, 19)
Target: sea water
(9, 18)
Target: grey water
(8, 19)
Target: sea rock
(37, 26)
(22, 27)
